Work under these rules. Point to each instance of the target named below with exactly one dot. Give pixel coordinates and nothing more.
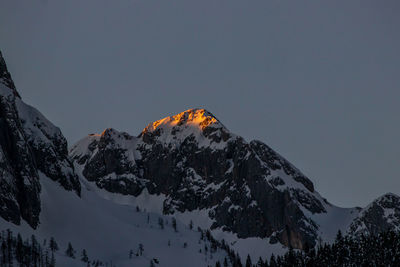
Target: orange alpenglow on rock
(199, 118)
(199, 124)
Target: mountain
(382, 214)
(42, 194)
(162, 190)
(29, 144)
(210, 175)
(195, 162)
(243, 191)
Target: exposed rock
(49, 147)
(5, 76)
(19, 183)
(198, 164)
(191, 158)
(111, 162)
(29, 143)
(381, 215)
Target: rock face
(383, 214)
(110, 160)
(29, 144)
(198, 164)
(244, 187)
(191, 159)
(5, 76)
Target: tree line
(14, 251)
(348, 251)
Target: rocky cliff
(382, 214)
(198, 164)
(190, 159)
(29, 144)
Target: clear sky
(319, 81)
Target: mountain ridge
(189, 166)
(215, 173)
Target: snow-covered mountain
(28, 143)
(114, 191)
(41, 194)
(381, 215)
(200, 167)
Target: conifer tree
(130, 254)
(248, 261)
(225, 262)
(53, 245)
(260, 263)
(140, 249)
(53, 260)
(70, 252)
(339, 236)
(161, 223)
(84, 256)
(174, 224)
(19, 249)
(272, 261)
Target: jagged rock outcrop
(381, 215)
(191, 159)
(196, 162)
(48, 146)
(111, 162)
(5, 76)
(246, 188)
(29, 144)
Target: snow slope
(114, 195)
(192, 157)
(108, 230)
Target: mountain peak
(197, 125)
(380, 215)
(199, 118)
(387, 198)
(108, 132)
(5, 76)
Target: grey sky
(319, 81)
